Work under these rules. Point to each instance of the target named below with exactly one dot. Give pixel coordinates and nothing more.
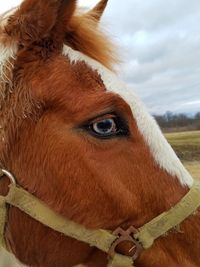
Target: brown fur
(98, 183)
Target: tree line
(173, 122)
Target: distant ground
(193, 168)
(187, 147)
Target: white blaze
(159, 147)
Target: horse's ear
(38, 19)
(98, 10)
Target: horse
(78, 139)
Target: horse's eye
(104, 127)
(107, 126)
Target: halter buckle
(9, 175)
(126, 236)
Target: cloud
(160, 46)
(160, 43)
(88, 4)
(6, 5)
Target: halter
(142, 238)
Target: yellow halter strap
(143, 238)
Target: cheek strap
(38, 210)
(104, 240)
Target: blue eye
(105, 127)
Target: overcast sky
(160, 47)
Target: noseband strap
(104, 240)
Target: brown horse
(76, 138)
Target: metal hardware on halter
(9, 175)
(126, 236)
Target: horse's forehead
(160, 149)
(85, 77)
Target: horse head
(75, 136)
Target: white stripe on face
(159, 147)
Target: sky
(159, 45)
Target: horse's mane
(84, 34)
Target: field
(187, 147)
(194, 168)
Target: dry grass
(186, 145)
(193, 168)
(192, 137)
